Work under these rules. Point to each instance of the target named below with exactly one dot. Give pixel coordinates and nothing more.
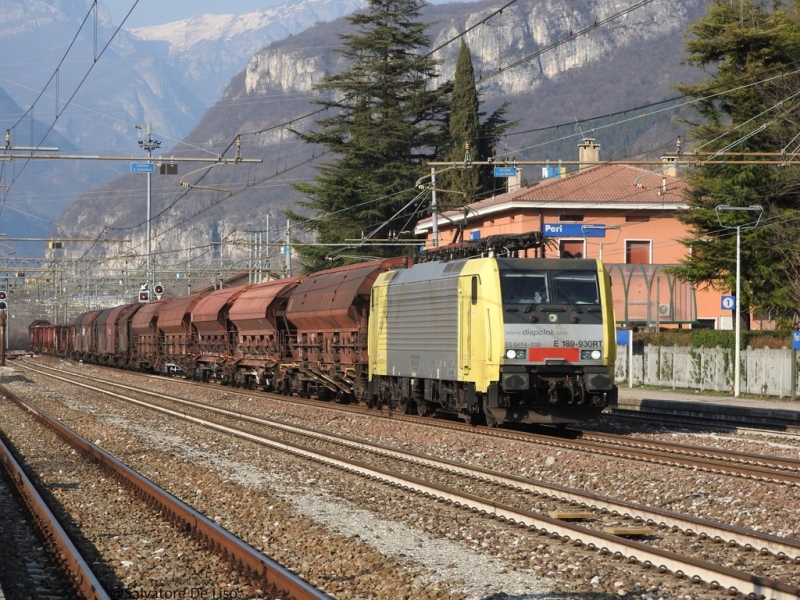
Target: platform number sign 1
(728, 302)
(3, 300)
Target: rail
(693, 568)
(215, 535)
(86, 583)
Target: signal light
(3, 294)
(158, 289)
(144, 296)
(3, 305)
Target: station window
(571, 249)
(570, 218)
(638, 252)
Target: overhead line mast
(139, 164)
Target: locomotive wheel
(422, 408)
(491, 421)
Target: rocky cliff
(554, 62)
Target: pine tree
(385, 123)
(748, 104)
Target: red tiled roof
(611, 184)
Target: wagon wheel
(422, 408)
(404, 406)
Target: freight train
(478, 331)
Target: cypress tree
(464, 129)
(469, 137)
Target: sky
(157, 12)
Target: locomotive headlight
(515, 354)
(511, 353)
(596, 354)
(591, 354)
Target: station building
(623, 214)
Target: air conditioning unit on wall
(663, 310)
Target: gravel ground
(361, 539)
(131, 547)
(29, 567)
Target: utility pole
(288, 248)
(737, 306)
(169, 166)
(149, 144)
(434, 208)
(3, 337)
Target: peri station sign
(573, 230)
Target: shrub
(713, 338)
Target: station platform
(773, 413)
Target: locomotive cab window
(524, 287)
(576, 287)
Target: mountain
(205, 51)
(625, 63)
(610, 68)
(111, 81)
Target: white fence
(764, 372)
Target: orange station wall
(661, 229)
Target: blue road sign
(623, 337)
(796, 340)
(728, 302)
(137, 167)
(505, 171)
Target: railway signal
(3, 300)
(158, 289)
(144, 293)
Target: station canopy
(647, 295)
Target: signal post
(3, 308)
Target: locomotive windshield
(549, 287)
(575, 287)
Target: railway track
(75, 574)
(254, 565)
(591, 534)
(748, 465)
(701, 415)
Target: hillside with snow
(99, 103)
